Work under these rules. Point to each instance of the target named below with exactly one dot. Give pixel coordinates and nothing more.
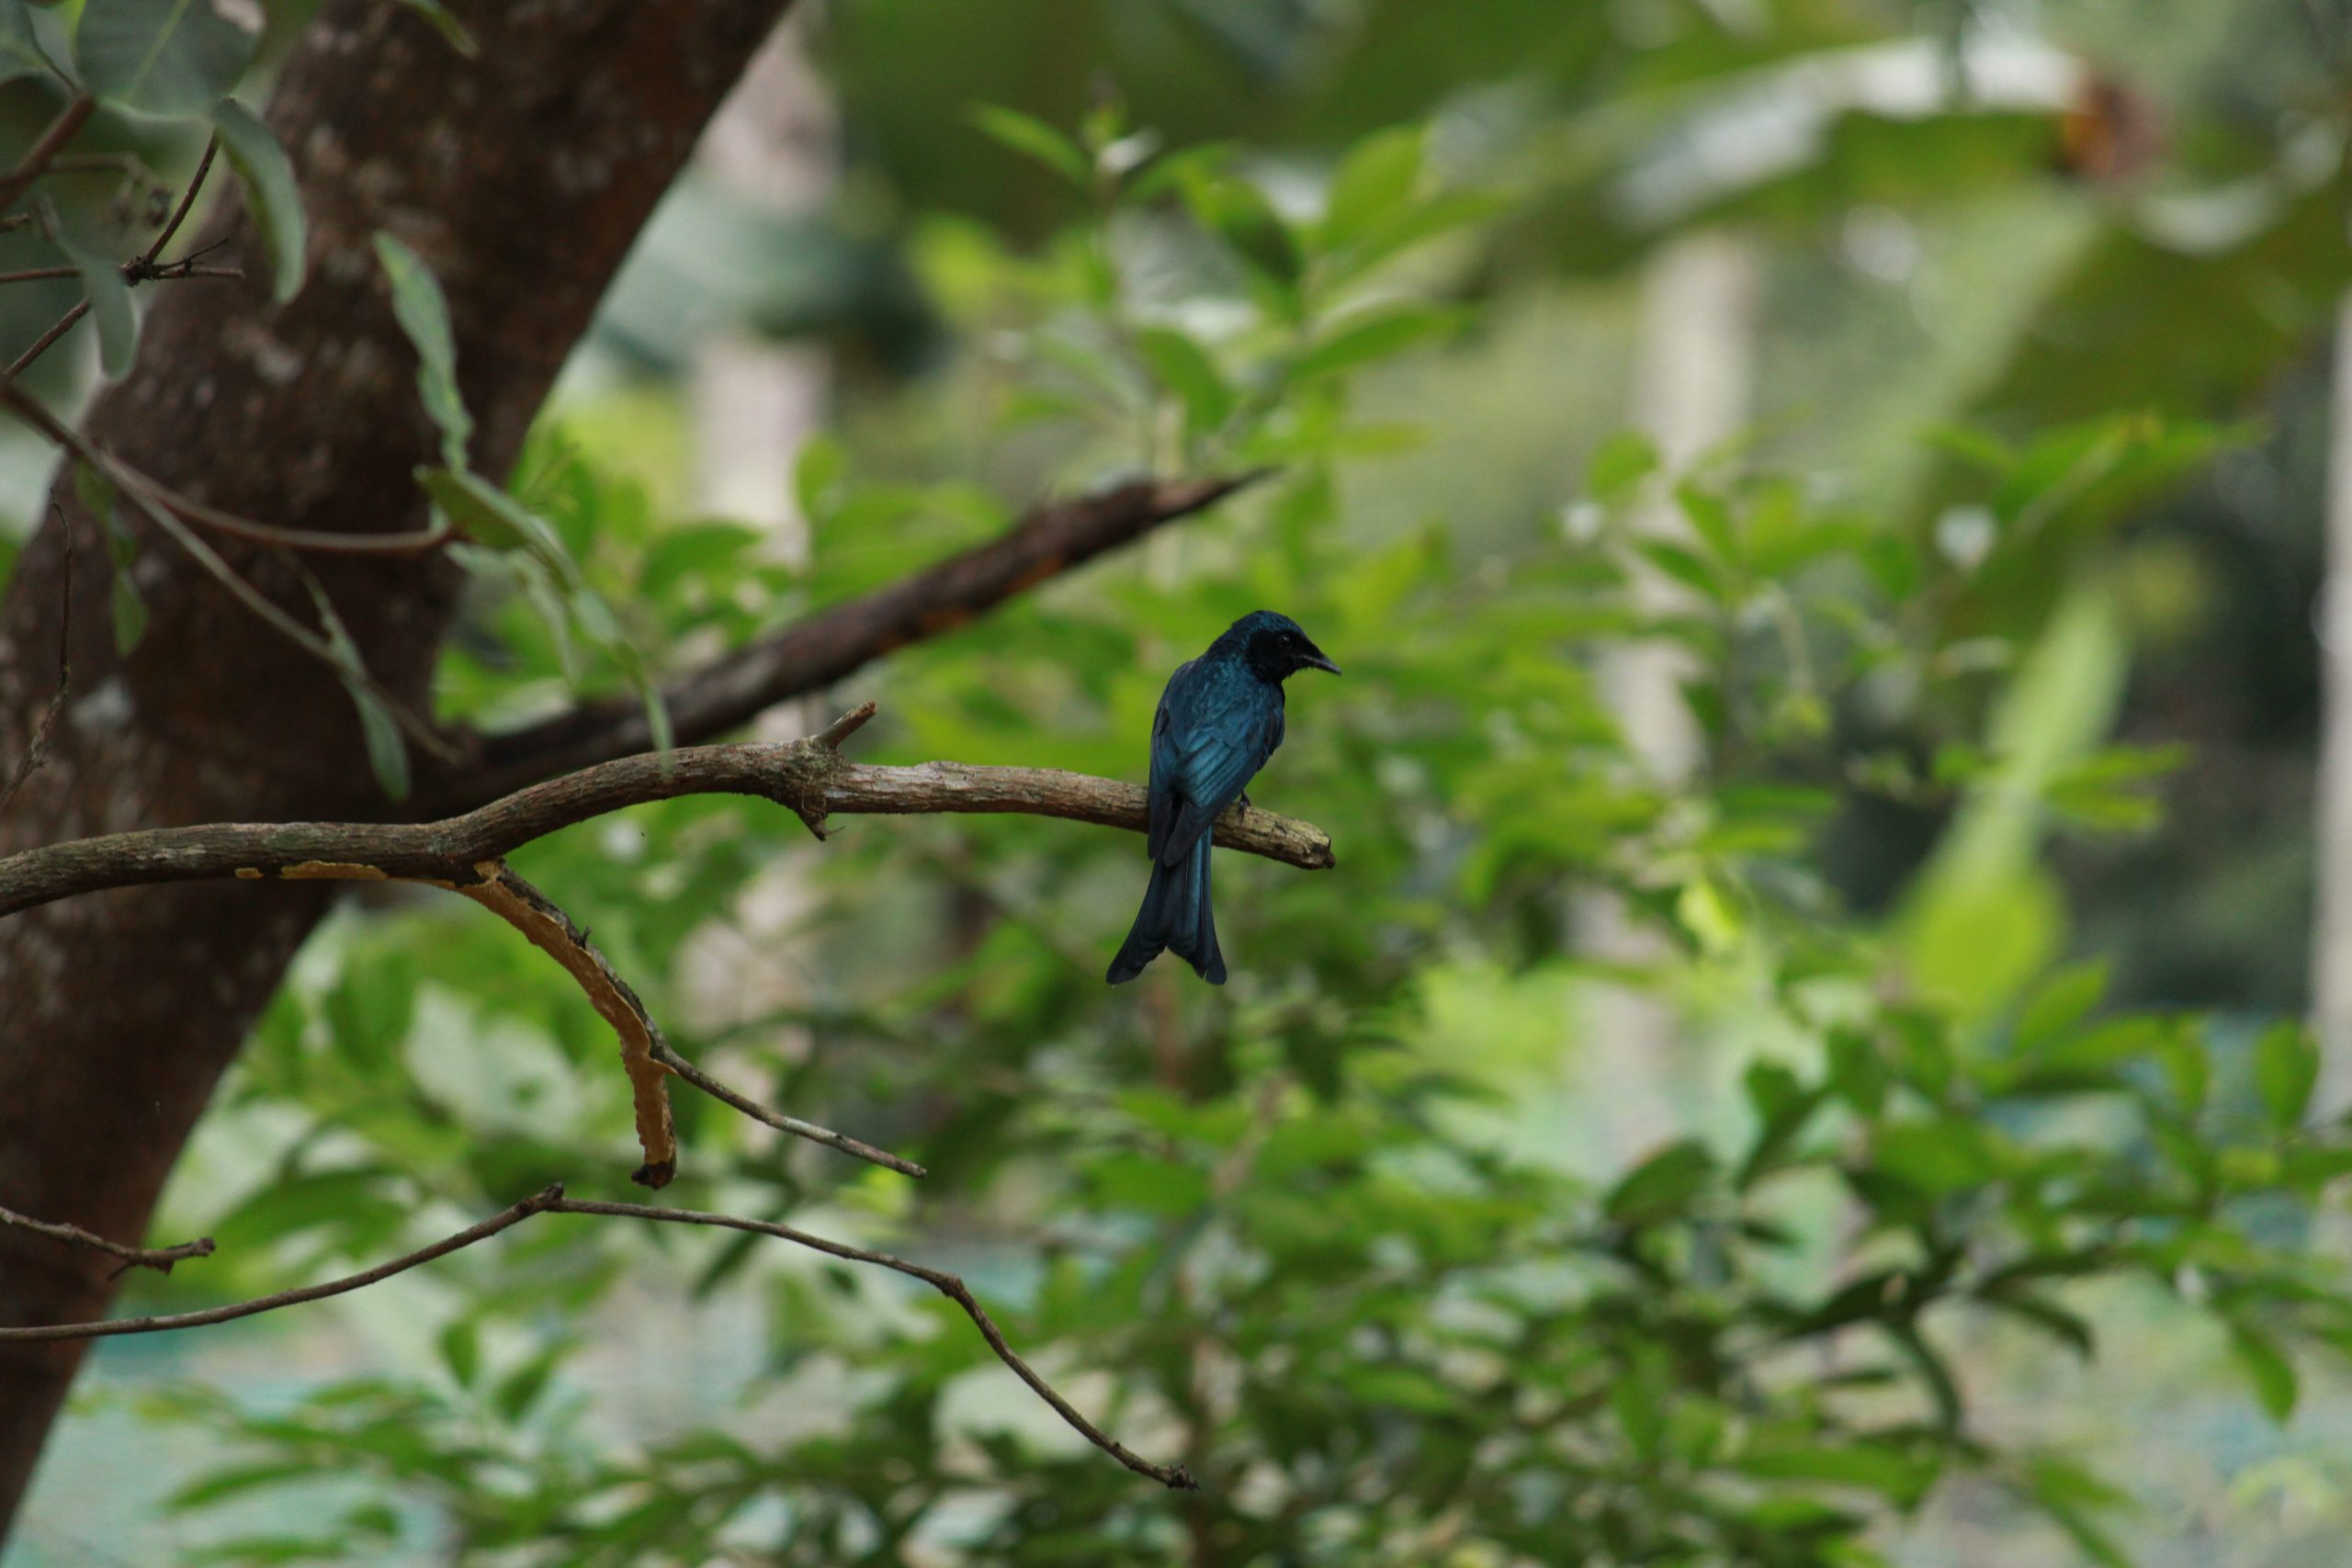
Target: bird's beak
(1315, 660)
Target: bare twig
(538, 1202)
(36, 749)
(308, 540)
(41, 344)
(551, 1200)
(832, 643)
(188, 200)
(159, 1258)
(140, 269)
(664, 1053)
(1175, 1477)
(37, 158)
(807, 776)
(129, 481)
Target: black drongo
(1219, 720)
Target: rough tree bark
(521, 176)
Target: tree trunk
(2331, 934)
(521, 176)
(1693, 374)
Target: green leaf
(522, 1388)
(1709, 518)
(450, 27)
(174, 58)
(387, 746)
(424, 315)
(1902, 1477)
(2265, 1367)
(1377, 178)
(1662, 1185)
(2068, 1494)
(819, 477)
(1374, 336)
(496, 520)
(2286, 1069)
(1622, 461)
(270, 191)
(1238, 213)
(20, 51)
(1036, 140)
(1940, 1157)
(1407, 227)
(109, 293)
(2058, 1004)
(461, 1348)
(1185, 368)
(221, 1484)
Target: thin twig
(551, 1200)
(664, 1053)
(41, 344)
(823, 649)
(37, 750)
(142, 269)
(136, 485)
(159, 1258)
(60, 130)
(1175, 1477)
(805, 776)
(187, 199)
(308, 540)
(538, 1202)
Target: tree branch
(551, 1200)
(1175, 1477)
(551, 931)
(807, 776)
(668, 1057)
(538, 1202)
(159, 1258)
(832, 643)
(188, 200)
(60, 130)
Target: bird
(1218, 721)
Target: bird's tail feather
(1176, 918)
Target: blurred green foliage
(1335, 1236)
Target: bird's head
(1275, 647)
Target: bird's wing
(1166, 766)
(1215, 748)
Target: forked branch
(551, 1200)
(809, 777)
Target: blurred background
(1823, 504)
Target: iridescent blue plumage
(1219, 720)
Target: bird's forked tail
(1175, 917)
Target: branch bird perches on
(462, 853)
